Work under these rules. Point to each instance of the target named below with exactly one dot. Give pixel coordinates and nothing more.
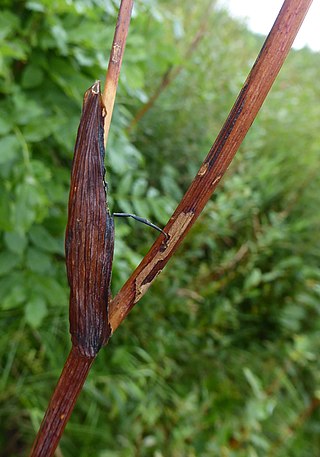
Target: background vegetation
(221, 357)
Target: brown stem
(115, 61)
(246, 107)
(243, 113)
(81, 356)
(61, 404)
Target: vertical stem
(242, 115)
(115, 61)
(78, 363)
(61, 404)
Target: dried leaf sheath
(90, 233)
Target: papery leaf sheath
(89, 233)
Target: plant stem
(242, 115)
(61, 404)
(115, 61)
(77, 365)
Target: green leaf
(35, 6)
(65, 73)
(9, 147)
(254, 383)
(8, 261)
(5, 124)
(90, 35)
(4, 211)
(32, 76)
(38, 261)
(50, 288)
(15, 297)
(83, 58)
(35, 311)
(14, 49)
(38, 129)
(292, 316)
(253, 279)
(141, 207)
(41, 238)
(26, 109)
(162, 207)
(124, 186)
(134, 78)
(139, 187)
(60, 36)
(9, 22)
(122, 155)
(30, 205)
(16, 242)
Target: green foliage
(224, 361)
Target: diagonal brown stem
(61, 404)
(243, 113)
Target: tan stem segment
(115, 61)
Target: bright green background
(221, 356)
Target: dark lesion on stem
(90, 232)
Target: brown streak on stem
(90, 233)
(243, 113)
(154, 267)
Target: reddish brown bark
(89, 253)
(243, 113)
(90, 233)
(245, 109)
(61, 404)
(89, 248)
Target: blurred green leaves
(220, 358)
(35, 311)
